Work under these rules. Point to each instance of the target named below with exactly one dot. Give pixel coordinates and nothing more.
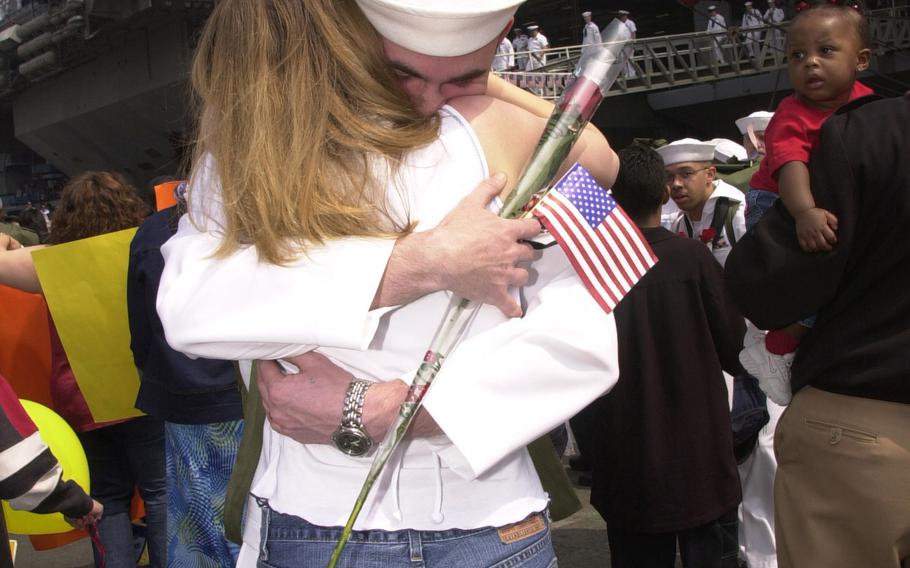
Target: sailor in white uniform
(774, 16)
(520, 47)
(695, 189)
(623, 16)
(537, 43)
(505, 56)
(717, 25)
(751, 19)
(591, 33)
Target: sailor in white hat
(439, 49)
(757, 472)
(774, 16)
(505, 56)
(726, 151)
(697, 191)
(591, 34)
(751, 19)
(537, 43)
(520, 46)
(753, 127)
(623, 16)
(717, 25)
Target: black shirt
(860, 344)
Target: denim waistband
(282, 526)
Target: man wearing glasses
(697, 191)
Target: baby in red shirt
(827, 45)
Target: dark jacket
(174, 387)
(860, 345)
(664, 460)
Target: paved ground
(580, 541)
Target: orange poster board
(25, 360)
(25, 346)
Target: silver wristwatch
(350, 437)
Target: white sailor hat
(747, 4)
(440, 28)
(712, 8)
(725, 150)
(758, 120)
(623, 12)
(533, 27)
(586, 13)
(686, 150)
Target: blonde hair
(297, 103)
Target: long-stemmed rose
(594, 75)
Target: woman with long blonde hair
(304, 119)
(323, 210)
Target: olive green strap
(238, 489)
(563, 500)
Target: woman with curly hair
(95, 203)
(122, 454)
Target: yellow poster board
(84, 283)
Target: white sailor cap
(623, 12)
(758, 120)
(440, 28)
(533, 27)
(712, 8)
(686, 150)
(725, 150)
(586, 13)
(747, 4)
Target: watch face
(352, 441)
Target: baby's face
(824, 55)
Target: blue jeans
(289, 541)
(120, 458)
(757, 202)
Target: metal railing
(685, 59)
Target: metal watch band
(352, 411)
(351, 438)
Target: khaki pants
(842, 493)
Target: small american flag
(602, 243)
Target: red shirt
(65, 393)
(792, 133)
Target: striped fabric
(29, 473)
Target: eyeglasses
(684, 175)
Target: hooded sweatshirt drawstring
(436, 515)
